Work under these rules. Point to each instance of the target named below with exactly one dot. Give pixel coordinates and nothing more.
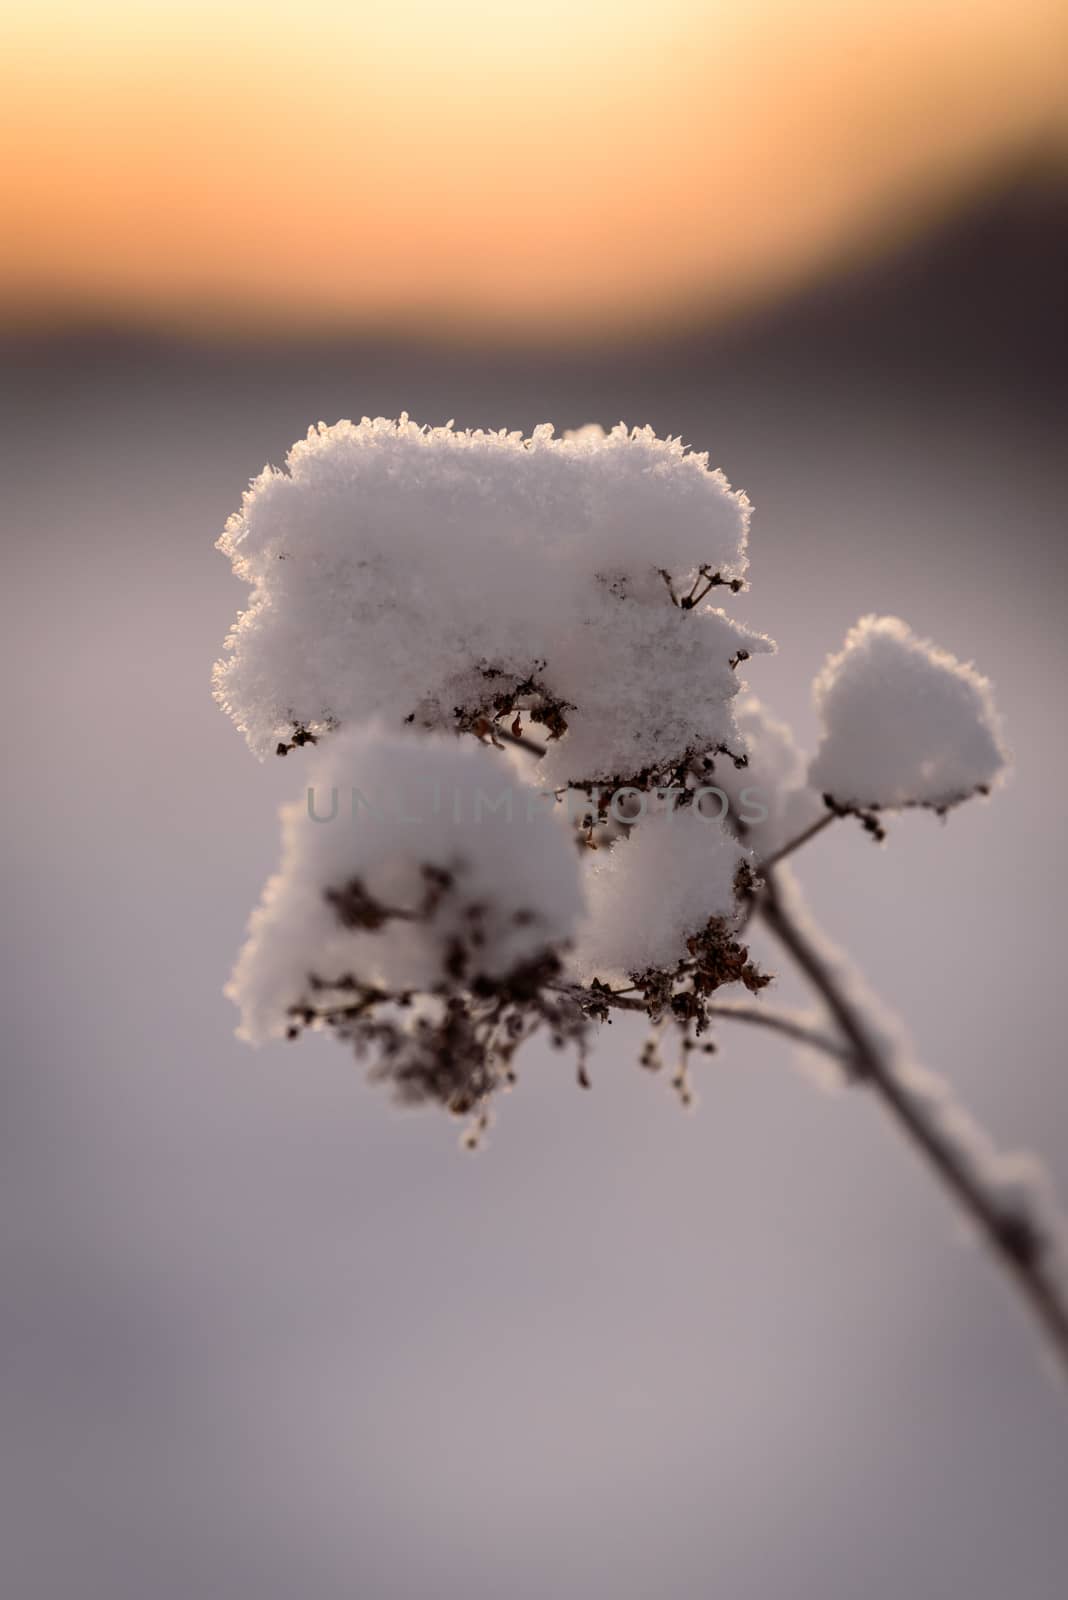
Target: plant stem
(520, 740)
(1018, 1244)
(802, 838)
(780, 1022)
(733, 1011)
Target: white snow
(905, 723)
(654, 888)
(648, 683)
(406, 573)
(774, 780)
(420, 801)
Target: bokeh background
(263, 1336)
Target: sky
(470, 166)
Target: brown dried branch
(780, 1022)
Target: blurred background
(261, 1335)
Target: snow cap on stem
(442, 577)
(905, 723)
(654, 889)
(412, 864)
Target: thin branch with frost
(797, 843)
(795, 1028)
(1010, 1221)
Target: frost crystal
(453, 579)
(904, 722)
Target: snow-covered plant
(419, 912)
(541, 795)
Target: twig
(609, 997)
(1020, 1247)
(669, 585)
(732, 1010)
(780, 1022)
(795, 844)
(519, 739)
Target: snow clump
(904, 723)
(453, 579)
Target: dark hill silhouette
(982, 292)
(975, 302)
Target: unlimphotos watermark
(474, 805)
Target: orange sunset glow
(509, 166)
